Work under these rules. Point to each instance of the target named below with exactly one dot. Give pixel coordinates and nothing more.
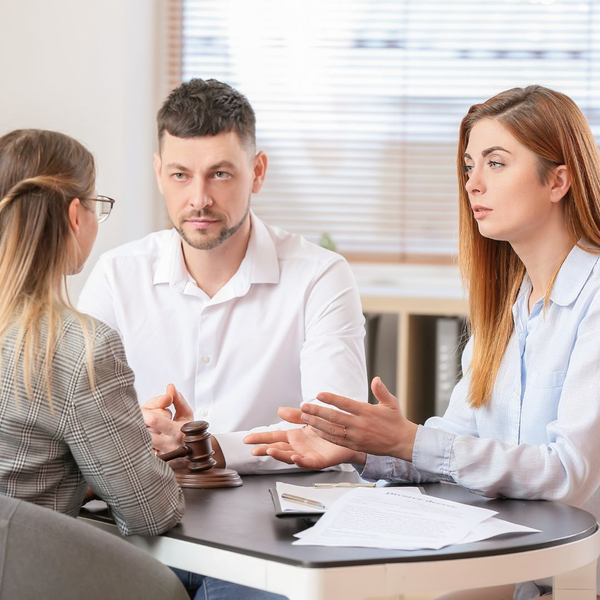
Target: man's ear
(158, 170)
(561, 183)
(74, 208)
(260, 170)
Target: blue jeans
(200, 587)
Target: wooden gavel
(198, 470)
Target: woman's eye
(495, 163)
(467, 169)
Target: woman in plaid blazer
(69, 417)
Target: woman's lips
(480, 212)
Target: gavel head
(197, 440)
(197, 451)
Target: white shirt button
(205, 359)
(203, 413)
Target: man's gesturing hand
(164, 427)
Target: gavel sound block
(198, 470)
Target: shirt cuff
(374, 468)
(432, 452)
(388, 468)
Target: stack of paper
(390, 518)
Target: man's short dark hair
(199, 108)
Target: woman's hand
(380, 429)
(302, 447)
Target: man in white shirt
(242, 317)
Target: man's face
(207, 182)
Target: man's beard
(224, 234)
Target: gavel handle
(177, 453)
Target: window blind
(358, 102)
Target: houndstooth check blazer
(93, 437)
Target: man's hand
(302, 447)
(164, 427)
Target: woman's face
(508, 200)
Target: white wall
(88, 68)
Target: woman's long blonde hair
(41, 172)
(551, 125)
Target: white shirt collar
(260, 264)
(573, 274)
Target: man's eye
(221, 175)
(179, 176)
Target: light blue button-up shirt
(539, 436)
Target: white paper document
(493, 527)
(326, 496)
(389, 518)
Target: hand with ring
(380, 429)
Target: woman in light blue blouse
(524, 420)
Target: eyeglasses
(102, 207)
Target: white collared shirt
(285, 327)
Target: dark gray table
(233, 534)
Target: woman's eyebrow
(487, 151)
(494, 149)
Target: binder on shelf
(450, 335)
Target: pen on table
(299, 500)
(343, 484)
